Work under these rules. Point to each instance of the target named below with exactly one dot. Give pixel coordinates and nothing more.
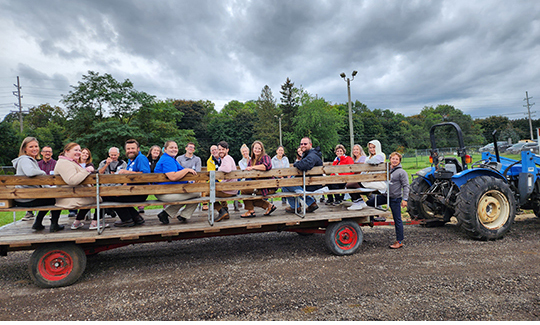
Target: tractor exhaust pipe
(495, 146)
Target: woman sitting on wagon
(74, 174)
(259, 160)
(26, 165)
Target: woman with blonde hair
(243, 163)
(259, 160)
(358, 155)
(74, 174)
(26, 165)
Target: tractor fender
(426, 174)
(466, 175)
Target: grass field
(410, 164)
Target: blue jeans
(395, 206)
(292, 200)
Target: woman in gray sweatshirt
(26, 165)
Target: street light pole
(350, 104)
(279, 118)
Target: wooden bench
(149, 184)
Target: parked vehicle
(503, 145)
(483, 197)
(516, 148)
(530, 146)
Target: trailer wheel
(486, 208)
(417, 208)
(57, 265)
(343, 238)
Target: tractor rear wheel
(486, 207)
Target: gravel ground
(440, 274)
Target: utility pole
(529, 111)
(348, 81)
(17, 94)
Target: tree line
(100, 112)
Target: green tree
(489, 124)
(320, 121)
(159, 123)
(196, 116)
(234, 124)
(266, 124)
(289, 109)
(96, 96)
(11, 141)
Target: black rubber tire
(486, 208)
(344, 237)
(415, 207)
(57, 265)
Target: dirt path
(439, 275)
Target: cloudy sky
(480, 56)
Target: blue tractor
(483, 197)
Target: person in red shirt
(341, 159)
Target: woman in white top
(243, 163)
(280, 161)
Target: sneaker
(75, 227)
(396, 245)
(72, 214)
(379, 219)
(93, 227)
(357, 206)
(28, 216)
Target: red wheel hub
(55, 265)
(346, 237)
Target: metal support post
(212, 183)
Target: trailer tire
(57, 265)
(415, 207)
(486, 208)
(344, 237)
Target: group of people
(75, 164)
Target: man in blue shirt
(137, 164)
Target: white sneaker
(355, 206)
(363, 204)
(28, 216)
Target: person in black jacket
(311, 157)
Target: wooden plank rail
(148, 184)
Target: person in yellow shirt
(212, 163)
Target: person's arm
(306, 163)
(375, 160)
(71, 174)
(264, 166)
(198, 165)
(405, 186)
(176, 176)
(103, 165)
(227, 165)
(29, 168)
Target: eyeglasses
(304, 143)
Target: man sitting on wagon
(311, 157)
